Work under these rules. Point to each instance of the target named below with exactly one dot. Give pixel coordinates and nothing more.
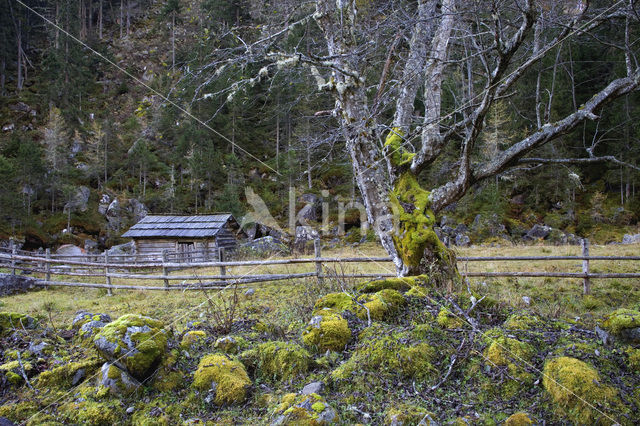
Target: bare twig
(24, 374)
(454, 357)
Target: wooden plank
(586, 283)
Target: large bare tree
(387, 64)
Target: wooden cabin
(189, 237)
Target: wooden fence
(159, 272)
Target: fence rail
(111, 267)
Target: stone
(224, 378)
(122, 249)
(71, 252)
(103, 206)
(79, 200)
(304, 234)
(79, 376)
(6, 422)
(308, 212)
(488, 226)
(138, 210)
(39, 349)
(538, 232)
(10, 321)
(526, 300)
(13, 284)
(462, 240)
(84, 317)
(130, 410)
(266, 245)
(118, 381)
(226, 344)
(304, 409)
(91, 328)
(91, 247)
(631, 239)
(250, 292)
(313, 387)
(134, 343)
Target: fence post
(586, 282)
(47, 265)
(106, 273)
(223, 270)
(165, 270)
(317, 248)
(13, 256)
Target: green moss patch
(63, 377)
(224, 375)
(446, 319)
(382, 350)
(278, 360)
(407, 414)
(304, 410)
(327, 331)
(622, 319)
(14, 321)
(578, 393)
(135, 343)
(193, 338)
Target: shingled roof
(161, 226)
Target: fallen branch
(24, 374)
(454, 357)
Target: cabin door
(186, 251)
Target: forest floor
(473, 383)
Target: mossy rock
(67, 375)
(518, 419)
(19, 412)
(406, 414)
(84, 317)
(578, 393)
(522, 321)
(223, 375)
(624, 323)
(304, 410)
(193, 338)
(118, 381)
(230, 344)
(339, 302)
(134, 343)
(382, 350)
(327, 331)
(380, 305)
(12, 371)
(278, 360)
(448, 320)
(14, 321)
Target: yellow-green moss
(518, 419)
(157, 413)
(397, 153)
(503, 351)
(13, 372)
(150, 345)
(622, 319)
(93, 413)
(193, 338)
(382, 350)
(278, 360)
(226, 374)
(576, 389)
(327, 330)
(61, 377)
(522, 321)
(446, 319)
(407, 414)
(634, 359)
(337, 301)
(410, 202)
(304, 410)
(381, 304)
(20, 411)
(399, 284)
(14, 321)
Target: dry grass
(287, 302)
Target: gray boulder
(462, 240)
(313, 387)
(118, 381)
(12, 284)
(631, 239)
(71, 252)
(538, 232)
(105, 202)
(137, 210)
(122, 249)
(304, 235)
(79, 200)
(91, 247)
(266, 245)
(487, 226)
